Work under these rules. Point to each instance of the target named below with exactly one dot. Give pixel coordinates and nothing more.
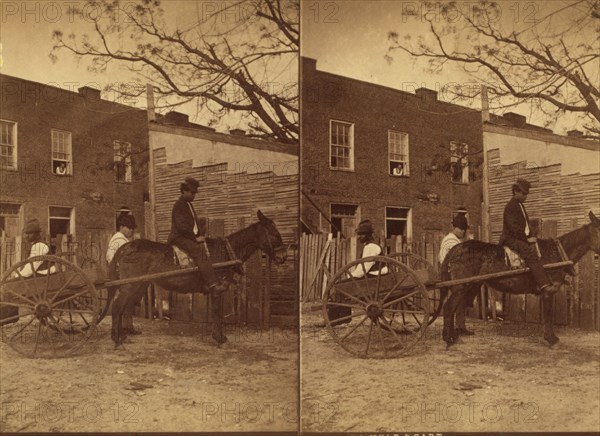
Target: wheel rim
(364, 315)
(57, 313)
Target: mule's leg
(216, 304)
(548, 311)
(116, 332)
(448, 333)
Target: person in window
(185, 233)
(33, 235)
(61, 169)
(516, 235)
(455, 237)
(126, 224)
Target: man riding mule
(141, 258)
(473, 258)
(185, 233)
(516, 235)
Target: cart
(386, 315)
(55, 314)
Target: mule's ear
(595, 221)
(260, 216)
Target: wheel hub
(374, 310)
(43, 310)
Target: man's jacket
(182, 221)
(514, 222)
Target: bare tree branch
(230, 60)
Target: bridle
(272, 251)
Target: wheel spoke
(403, 311)
(62, 288)
(354, 328)
(391, 329)
(354, 315)
(352, 297)
(394, 288)
(335, 303)
(35, 282)
(22, 328)
(34, 301)
(55, 322)
(357, 285)
(369, 338)
(72, 297)
(6, 303)
(15, 317)
(37, 337)
(404, 297)
(380, 333)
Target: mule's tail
(113, 274)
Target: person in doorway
(516, 235)
(455, 237)
(126, 224)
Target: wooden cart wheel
(53, 315)
(426, 272)
(363, 314)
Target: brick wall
(94, 125)
(374, 109)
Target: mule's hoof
(131, 331)
(551, 339)
(464, 332)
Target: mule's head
(269, 239)
(594, 230)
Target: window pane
(396, 212)
(60, 212)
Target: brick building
(407, 161)
(70, 159)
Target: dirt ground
(170, 378)
(505, 378)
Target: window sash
(340, 145)
(122, 161)
(8, 144)
(459, 151)
(398, 150)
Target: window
(61, 152)
(61, 222)
(459, 162)
(398, 153)
(9, 219)
(122, 161)
(344, 218)
(397, 221)
(8, 145)
(341, 144)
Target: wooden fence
(319, 251)
(576, 305)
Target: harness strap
(561, 250)
(230, 251)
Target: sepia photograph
(450, 217)
(149, 216)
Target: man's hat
(365, 227)
(460, 221)
(191, 183)
(126, 220)
(522, 185)
(33, 226)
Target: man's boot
(550, 288)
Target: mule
(142, 257)
(472, 258)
